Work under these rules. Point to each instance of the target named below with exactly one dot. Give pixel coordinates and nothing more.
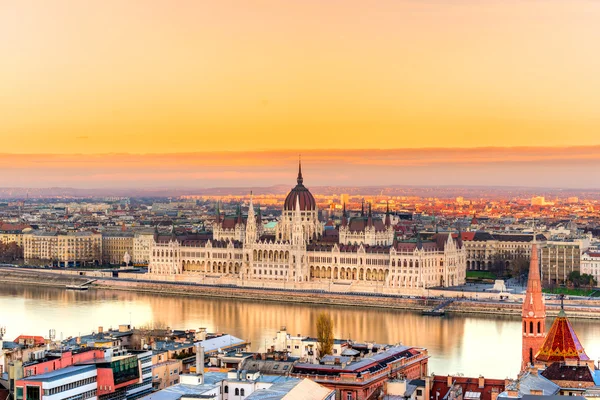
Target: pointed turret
(533, 313)
(362, 208)
(259, 215)
(250, 209)
(370, 218)
(239, 219)
(251, 227)
(388, 221)
(300, 180)
(459, 241)
(562, 343)
(344, 216)
(218, 214)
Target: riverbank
(589, 309)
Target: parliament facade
(364, 255)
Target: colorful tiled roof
(562, 343)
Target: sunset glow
(154, 77)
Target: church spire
(533, 313)
(388, 222)
(300, 180)
(218, 213)
(370, 217)
(362, 208)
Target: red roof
(37, 340)
(562, 343)
(13, 227)
(440, 384)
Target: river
(472, 345)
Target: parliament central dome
(301, 193)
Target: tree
(10, 252)
(324, 334)
(577, 280)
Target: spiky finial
(300, 180)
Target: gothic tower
(251, 226)
(534, 313)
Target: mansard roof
(230, 221)
(412, 245)
(563, 372)
(197, 239)
(358, 224)
(349, 248)
(501, 237)
(220, 244)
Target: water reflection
(472, 345)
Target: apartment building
(142, 247)
(13, 233)
(62, 249)
(483, 247)
(115, 245)
(561, 257)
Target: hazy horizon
(143, 93)
(535, 167)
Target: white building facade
(298, 257)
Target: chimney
(533, 370)
(200, 361)
(263, 356)
(494, 394)
(449, 381)
(100, 329)
(481, 382)
(254, 356)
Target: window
(419, 392)
(349, 396)
(242, 392)
(237, 391)
(226, 389)
(539, 327)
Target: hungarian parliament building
(361, 255)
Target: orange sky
(574, 167)
(153, 76)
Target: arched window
(226, 389)
(530, 327)
(539, 327)
(524, 327)
(242, 392)
(237, 391)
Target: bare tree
(324, 334)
